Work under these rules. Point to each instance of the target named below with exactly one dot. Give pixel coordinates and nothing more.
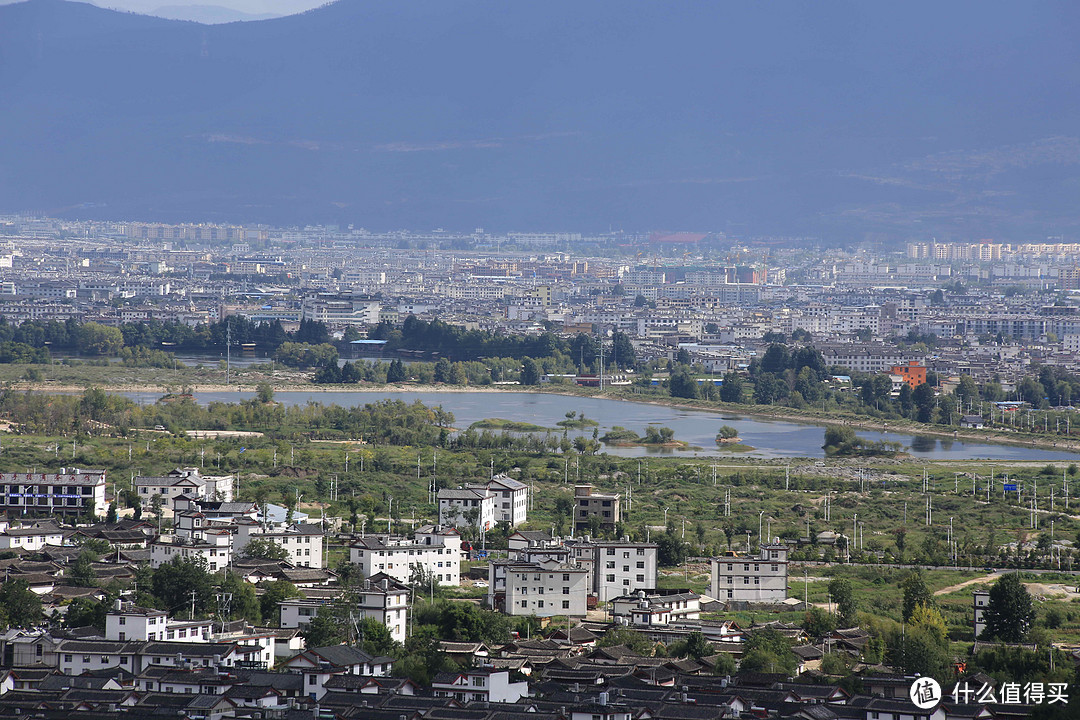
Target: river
(769, 438)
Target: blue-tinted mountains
(843, 119)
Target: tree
(923, 397)
(375, 638)
(395, 373)
(442, 371)
(530, 372)
(174, 582)
(245, 603)
(725, 664)
(844, 596)
(916, 592)
(324, 630)
(82, 570)
(818, 623)
(726, 432)
(110, 514)
(85, 612)
(264, 392)
(19, 605)
(732, 389)
(622, 350)
(274, 592)
(97, 339)
(622, 635)
(766, 650)
(682, 383)
(265, 549)
(670, 549)
(775, 360)
(1009, 614)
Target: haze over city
(475, 360)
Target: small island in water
(504, 424)
(654, 436)
(728, 438)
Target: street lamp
(760, 515)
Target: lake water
(769, 438)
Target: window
(611, 551)
(566, 604)
(524, 603)
(611, 578)
(641, 551)
(566, 577)
(746, 581)
(68, 658)
(611, 565)
(123, 620)
(566, 590)
(641, 565)
(775, 568)
(641, 578)
(539, 603)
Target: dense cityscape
(216, 506)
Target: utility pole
(228, 350)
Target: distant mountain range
(208, 14)
(845, 120)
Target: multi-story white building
(657, 608)
(335, 311)
(456, 506)
(511, 498)
(615, 568)
(128, 622)
(72, 491)
(761, 578)
(380, 597)
(545, 589)
(980, 600)
(432, 549)
(304, 543)
(214, 547)
(184, 482)
(482, 684)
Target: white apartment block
(214, 548)
(479, 685)
(341, 311)
(455, 507)
(70, 491)
(304, 543)
(761, 578)
(432, 549)
(127, 622)
(616, 568)
(544, 589)
(381, 598)
(511, 498)
(184, 481)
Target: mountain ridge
(567, 116)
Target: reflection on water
(769, 438)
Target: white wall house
(433, 549)
(455, 507)
(304, 543)
(479, 685)
(184, 481)
(215, 548)
(616, 568)
(544, 589)
(751, 578)
(381, 598)
(511, 498)
(31, 538)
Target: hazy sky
(278, 7)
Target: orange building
(913, 373)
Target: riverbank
(751, 411)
